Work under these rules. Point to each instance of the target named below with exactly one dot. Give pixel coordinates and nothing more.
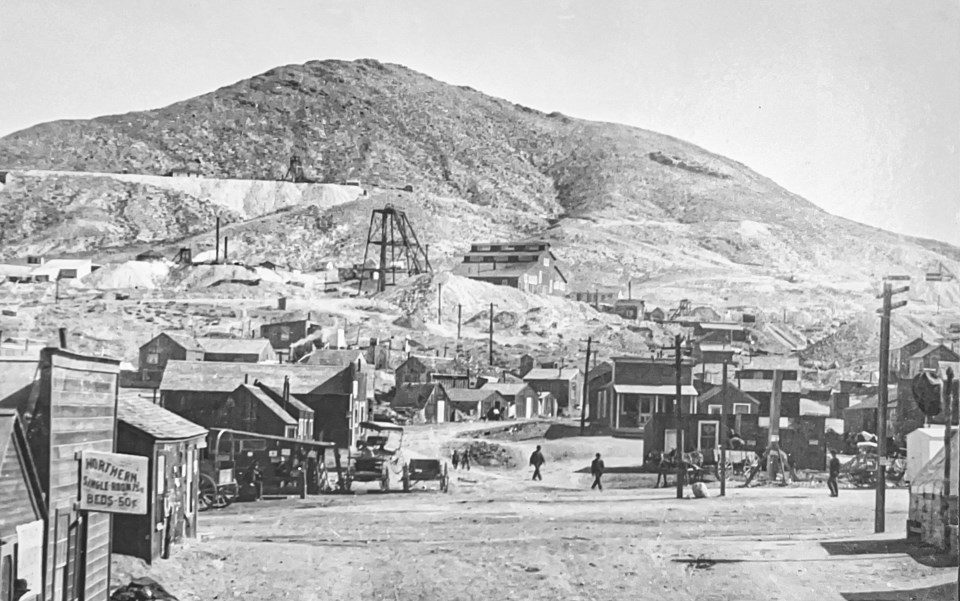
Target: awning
(667, 390)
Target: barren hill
(617, 202)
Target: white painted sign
(113, 483)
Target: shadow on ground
(930, 593)
(922, 554)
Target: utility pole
(490, 352)
(217, 260)
(723, 433)
(946, 393)
(678, 364)
(773, 449)
(439, 302)
(586, 381)
(882, 393)
(459, 318)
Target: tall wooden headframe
(390, 230)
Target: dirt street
(497, 535)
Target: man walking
(834, 474)
(537, 460)
(596, 468)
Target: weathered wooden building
(712, 400)
(23, 511)
(172, 445)
(418, 369)
(527, 266)
(337, 395)
(167, 346)
(237, 350)
(564, 383)
(755, 377)
(640, 388)
(71, 409)
(282, 335)
(473, 403)
(598, 378)
(521, 398)
(422, 403)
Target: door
(708, 434)
(669, 440)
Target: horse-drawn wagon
(380, 454)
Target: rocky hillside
(618, 203)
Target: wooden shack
(172, 445)
(71, 409)
(21, 520)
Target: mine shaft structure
(391, 237)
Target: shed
(426, 403)
(564, 383)
(21, 496)
(171, 444)
(521, 398)
(472, 403)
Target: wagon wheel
(406, 478)
(226, 495)
(208, 493)
(444, 480)
(385, 478)
(723, 469)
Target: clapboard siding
(83, 411)
(15, 497)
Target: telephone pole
(946, 388)
(723, 433)
(439, 302)
(586, 380)
(490, 351)
(885, 312)
(773, 449)
(678, 364)
(459, 317)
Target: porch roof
(665, 390)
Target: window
(714, 409)
(741, 408)
(707, 434)
(153, 358)
(504, 282)
(546, 261)
(285, 333)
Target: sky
(852, 104)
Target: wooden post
(773, 448)
(459, 317)
(723, 433)
(439, 302)
(217, 259)
(946, 393)
(678, 364)
(586, 380)
(63, 337)
(225, 254)
(881, 493)
(491, 334)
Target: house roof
(414, 395)
(780, 362)
(470, 395)
(277, 397)
(155, 421)
(787, 386)
(222, 376)
(738, 395)
(666, 389)
(506, 389)
(549, 373)
(440, 365)
(187, 341)
(300, 406)
(234, 346)
(268, 403)
(288, 322)
(341, 357)
(718, 347)
(812, 407)
(930, 349)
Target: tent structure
(924, 514)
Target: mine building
(172, 445)
(527, 266)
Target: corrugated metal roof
(155, 421)
(548, 373)
(221, 376)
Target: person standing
(537, 460)
(834, 474)
(456, 458)
(465, 459)
(596, 468)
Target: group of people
(537, 461)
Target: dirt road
(499, 536)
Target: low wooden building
(237, 350)
(564, 383)
(521, 398)
(418, 369)
(422, 403)
(598, 378)
(172, 445)
(640, 388)
(167, 346)
(473, 403)
(755, 377)
(284, 334)
(21, 519)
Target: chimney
(225, 249)
(63, 338)
(282, 303)
(286, 391)
(246, 378)
(309, 315)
